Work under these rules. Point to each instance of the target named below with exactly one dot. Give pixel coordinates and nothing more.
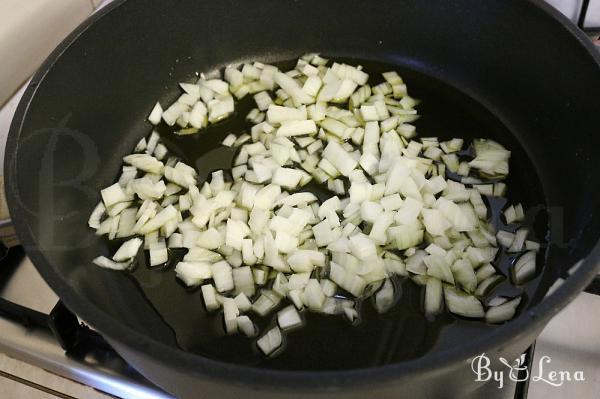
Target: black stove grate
(582, 21)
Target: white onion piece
(128, 250)
(193, 273)
(210, 239)
(96, 216)
(297, 199)
(109, 264)
(271, 341)
(462, 304)
(298, 281)
(175, 241)
(525, 267)
(351, 314)
(234, 77)
(314, 294)
(236, 231)
(178, 177)
(159, 220)
(484, 272)
(505, 238)
(288, 318)
(222, 276)
(209, 294)
(277, 114)
(243, 281)
(297, 128)
(140, 146)
(287, 177)
(339, 158)
(433, 296)
(230, 314)
(384, 298)
(144, 162)
(464, 274)
(487, 285)
(158, 253)
(246, 326)
(502, 312)
(263, 305)
(519, 240)
(126, 223)
(150, 238)
(242, 302)
(156, 114)
(496, 301)
(328, 287)
(256, 231)
(292, 88)
(113, 195)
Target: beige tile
(38, 376)
(571, 342)
(12, 389)
(29, 31)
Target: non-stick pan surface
(511, 70)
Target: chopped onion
(113, 195)
(298, 281)
(230, 314)
(193, 273)
(156, 114)
(487, 285)
(109, 264)
(484, 272)
(519, 240)
(242, 302)
(128, 250)
(243, 281)
(462, 304)
(524, 268)
(263, 305)
(297, 128)
(271, 341)
(288, 318)
(222, 276)
(384, 298)
(159, 220)
(210, 297)
(503, 312)
(505, 238)
(339, 158)
(96, 216)
(158, 253)
(246, 326)
(464, 274)
(433, 296)
(392, 209)
(314, 294)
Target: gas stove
(38, 334)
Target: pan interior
(327, 342)
(486, 76)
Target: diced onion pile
(259, 242)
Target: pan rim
(203, 367)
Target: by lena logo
(519, 371)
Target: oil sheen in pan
(330, 342)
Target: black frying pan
(511, 70)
